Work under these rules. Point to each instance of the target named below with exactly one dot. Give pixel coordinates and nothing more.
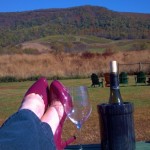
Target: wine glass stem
(80, 138)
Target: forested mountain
(17, 27)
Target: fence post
(140, 66)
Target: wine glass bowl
(81, 107)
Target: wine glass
(81, 109)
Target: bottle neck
(115, 96)
(114, 82)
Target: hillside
(20, 27)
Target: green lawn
(11, 95)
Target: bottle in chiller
(116, 118)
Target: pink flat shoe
(40, 87)
(59, 92)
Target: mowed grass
(11, 95)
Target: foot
(53, 115)
(36, 98)
(34, 103)
(58, 93)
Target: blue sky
(141, 6)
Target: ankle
(57, 105)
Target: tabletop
(139, 146)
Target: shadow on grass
(134, 85)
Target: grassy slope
(98, 44)
(11, 95)
(91, 43)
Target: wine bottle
(115, 96)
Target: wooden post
(140, 66)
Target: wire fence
(133, 68)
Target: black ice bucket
(116, 126)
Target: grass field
(11, 95)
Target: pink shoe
(59, 92)
(40, 87)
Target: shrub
(87, 55)
(8, 79)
